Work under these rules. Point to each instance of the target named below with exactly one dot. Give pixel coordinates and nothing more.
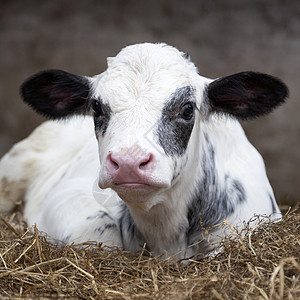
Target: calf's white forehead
(143, 75)
(140, 82)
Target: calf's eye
(96, 106)
(187, 111)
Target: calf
(169, 161)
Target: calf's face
(145, 111)
(147, 107)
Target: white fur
(60, 185)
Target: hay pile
(262, 265)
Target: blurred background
(222, 37)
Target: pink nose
(127, 167)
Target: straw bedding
(262, 264)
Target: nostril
(145, 161)
(113, 162)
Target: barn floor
(262, 265)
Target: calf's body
(169, 159)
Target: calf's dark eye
(187, 111)
(96, 106)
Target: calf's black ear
(56, 94)
(246, 95)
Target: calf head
(148, 106)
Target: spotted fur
(151, 100)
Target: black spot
(102, 119)
(175, 172)
(238, 190)
(213, 203)
(128, 229)
(66, 239)
(126, 222)
(100, 230)
(187, 56)
(274, 210)
(100, 215)
(174, 131)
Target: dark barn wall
(222, 37)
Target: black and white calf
(169, 159)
